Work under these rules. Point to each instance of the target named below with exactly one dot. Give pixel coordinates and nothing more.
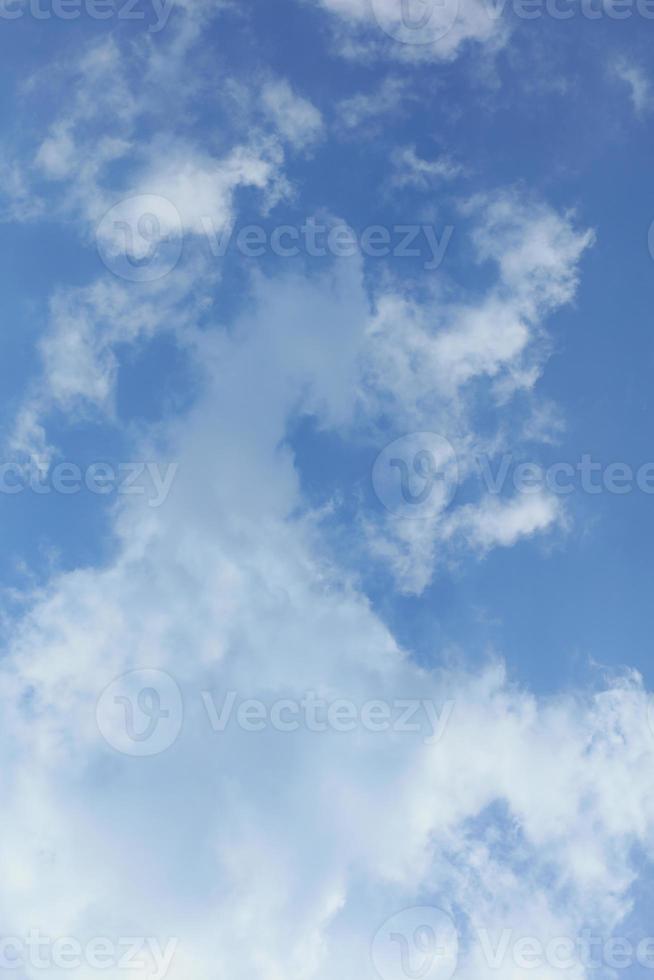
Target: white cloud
(410, 170)
(18, 200)
(415, 362)
(56, 156)
(72, 150)
(420, 31)
(640, 88)
(536, 248)
(384, 100)
(201, 188)
(78, 351)
(114, 90)
(278, 853)
(427, 363)
(171, 189)
(295, 117)
(497, 522)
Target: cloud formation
(271, 852)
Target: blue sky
(250, 412)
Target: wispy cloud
(639, 85)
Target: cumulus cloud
(167, 191)
(423, 364)
(279, 853)
(93, 160)
(305, 841)
(504, 523)
(198, 190)
(428, 363)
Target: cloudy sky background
(275, 564)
